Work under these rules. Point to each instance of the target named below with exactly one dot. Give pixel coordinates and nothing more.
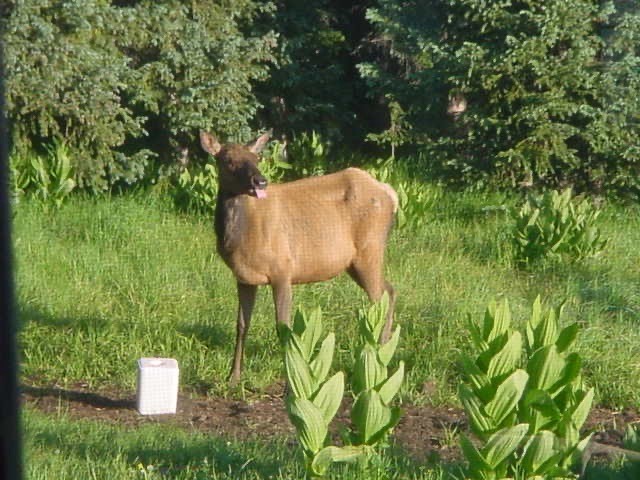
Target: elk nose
(259, 182)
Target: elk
(308, 230)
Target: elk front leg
(246, 301)
(282, 300)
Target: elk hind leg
(369, 276)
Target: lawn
(104, 281)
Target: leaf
(506, 360)
(299, 324)
(501, 321)
(328, 455)
(503, 443)
(369, 415)
(540, 409)
(309, 423)
(479, 381)
(507, 396)
(329, 396)
(476, 335)
(390, 388)
(394, 418)
(321, 363)
(545, 367)
(369, 373)
(378, 315)
(489, 321)
(570, 372)
(567, 337)
(581, 411)
(481, 422)
(313, 332)
(576, 455)
(533, 324)
(298, 373)
(477, 462)
(386, 351)
(547, 331)
(538, 451)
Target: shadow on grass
(212, 335)
(31, 314)
(87, 398)
(166, 453)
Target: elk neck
(230, 220)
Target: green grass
(104, 281)
(58, 448)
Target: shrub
(527, 412)
(557, 226)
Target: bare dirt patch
(425, 432)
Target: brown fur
(305, 231)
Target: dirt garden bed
(425, 432)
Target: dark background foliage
(534, 93)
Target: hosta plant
(313, 399)
(556, 225)
(524, 397)
(373, 415)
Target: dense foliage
(527, 91)
(503, 93)
(527, 414)
(556, 226)
(121, 82)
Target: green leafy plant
(308, 155)
(373, 415)
(527, 412)
(49, 178)
(19, 176)
(415, 198)
(313, 400)
(196, 188)
(556, 225)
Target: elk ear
(210, 143)
(258, 144)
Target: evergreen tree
(315, 84)
(102, 75)
(511, 92)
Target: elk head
(238, 165)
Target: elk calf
(305, 231)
